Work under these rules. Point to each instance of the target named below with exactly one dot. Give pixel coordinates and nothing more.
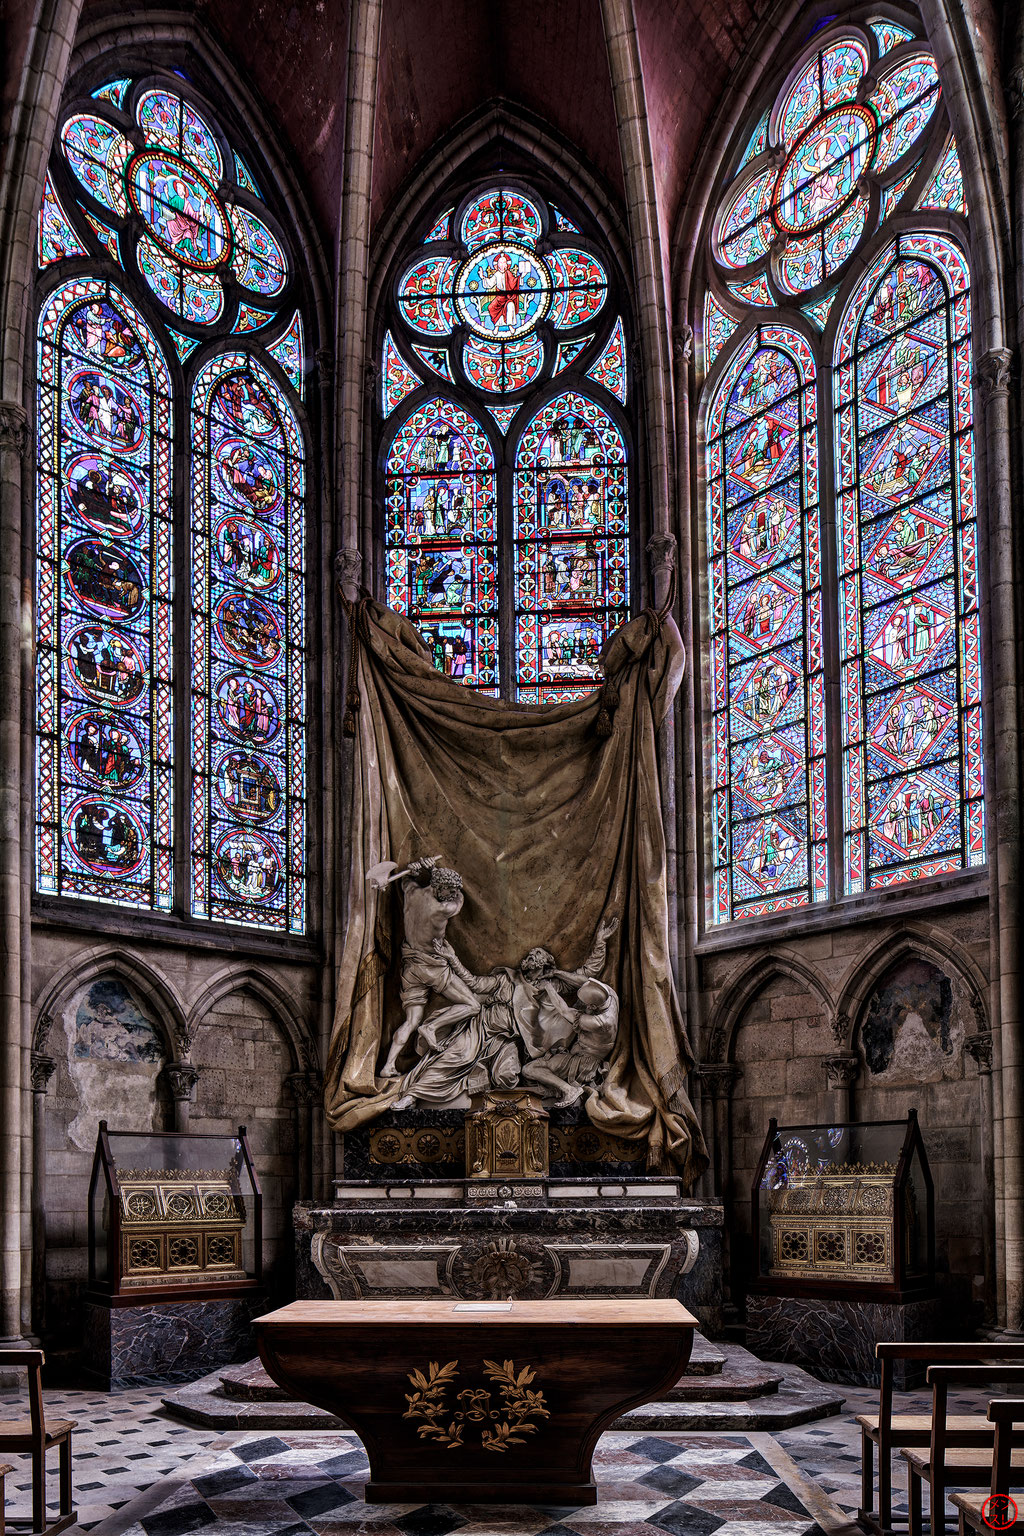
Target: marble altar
(474, 1239)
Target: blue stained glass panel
(248, 844)
(103, 602)
(768, 798)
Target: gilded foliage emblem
(502, 1419)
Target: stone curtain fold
(552, 826)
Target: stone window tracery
(841, 238)
(170, 576)
(504, 446)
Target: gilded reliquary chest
(179, 1226)
(836, 1225)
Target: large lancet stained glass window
(505, 460)
(248, 649)
(856, 146)
(145, 462)
(768, 709)
(908, 563)
(103, 595)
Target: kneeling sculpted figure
(512, 1026)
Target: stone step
(706, 1359)
(798, 1399)
(739, 1378)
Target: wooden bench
(947, 1461)
(891, 1432)
(35, 1436)
(975, 1510)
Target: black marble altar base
(170, 1341)
(835, 1339)
(420, 1143)
(527, 1240)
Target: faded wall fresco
(110, 1027)
(913, 1031)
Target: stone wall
(864, 1023)
(122, 1032)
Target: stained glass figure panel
(571, 530)
(103, 602)
(440, 539)
(768, 793)
(397, 379)
(610, 368)
(247, 573)
(56, 238)
(911, 689)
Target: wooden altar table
(478, 1402)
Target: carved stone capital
(371, 374)
(325, 365)
(661, 552)
(717, 1077)
(682, 342)
(979, 1048)
(184, 1036)
(305, 1086)
(993, 373)
(43, 1068)
(181, 1079)
(348, 573)
(841, 1071)
(13, 428)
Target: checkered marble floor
(122, 1446)
(828, 1453)
(307, 1484)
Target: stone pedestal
(836, 1339)
(169, 1341)
(481, 1239)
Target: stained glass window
(768, 807)
(441, 538)
(144, 175)
(885, 578)
(247, 573)
(505, 294)
(909, 569)
(103, 602)
(572, 548)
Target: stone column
(717, 1080)
(43, 1068)
(993, 383)
(361, 108)
(13, 896)
(979, 1048)
(841, 1073)
(645, 239)
(305, 1089)
(182, 1078)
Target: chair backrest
(972, 1353)
(1006, 1413)
(33, 1360)
(941, 1377)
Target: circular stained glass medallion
(105, 579)
(180, 208)
(249, 474)
(105, 750)
(104, 495)
(248, 631)
(105, 665)
(106, 837)
(502, 291)
(821, 172)
(247, 866)
(247, 553)
(248, 786)
(248, 710)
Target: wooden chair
(35, 1436)
(893, 1431)
(949, 1461)
(1007, 1414)
(4, 1469)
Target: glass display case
(174, 1215)
(844, 1209)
